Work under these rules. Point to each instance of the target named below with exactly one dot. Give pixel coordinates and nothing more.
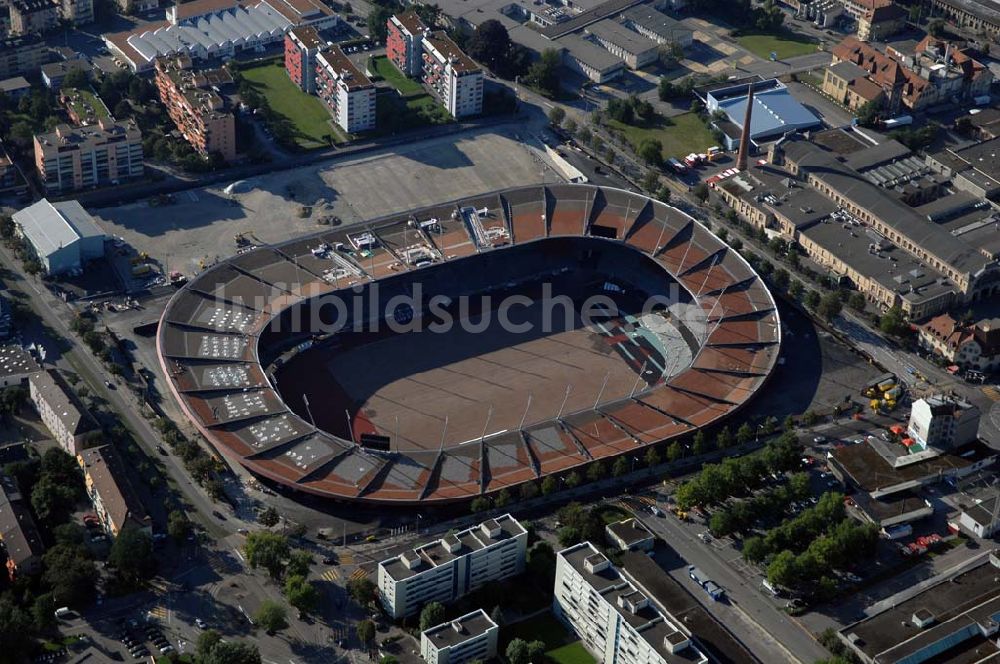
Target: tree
(269, 517)
(377, 19)
(178, 525)
(829, 306)
(744, 434)
(585, 135)
(70, 574)
(893, 322)
(663, 194)
(868, 113)
(812, 299)
(268, 550)
(652, 457)
(724, 438)
(795, 289)
(536, 651)
(517, 652)
(271, 616)
(76, 78)
(700, 191)
(362, 590)
(936, 28)
(496, 615)
(231, 652)
(651, 181)
(132, 556)
(856, 301)
(700, 444)
(207, 640)
(15, 628)
(540, 562)
(573, 480)
(491, 45)
(301, 594)
(528, 490)
(432, 614)
(596, 471)
(754, 549)
(122, 110)
(557, 115)
(42, 610)
(298, 563)
(51, 500)
(549, 485)
(722, 523)
(783, 570)
(675, 451)
(650, 151)
(479, 504)
(620, 467)
(544, 74)
(570, 126)
(365, 631)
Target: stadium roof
(775, 112)
(210, 341)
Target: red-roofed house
(969, 346)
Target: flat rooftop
(630, 531)
(620, 36)
(460, 630)
(870, 471)
(952, 604)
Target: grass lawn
(310, 121)
(406, 86)
(574, 653)
(544, 628)
(680, 135)
(86, 99)
(612, 513)
(786, 45)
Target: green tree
(536, 651)
(573, 480)
(301, 594)
(783, 570)
(132, 556)
(829, 306)
(432, 614)
(269, 517)
(556, 115)
(365, 631)
(15, 628)
(70, 574)
(744, 434)
(754, 549)
(893, 322)
(517, 652)
(936, 27)
(795, 289)
(377, 19)
(544, 73)
(652, 457)
(675, 451)
(620, 467)
(650, 150)
(232, 652)
(663, 194)
(298, 563)
(699, 445)
(596, 471)
(856, 301)
(51, 500)
(722, 523)
(271, 616)
(812, 299)
(724, 438)
(178, 525)
(206, 641)
(549, 485)
(363, 590)
(479, 504)
(540, 562)
(268, 550)
(700, 191)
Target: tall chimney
(741, 159)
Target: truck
(709, 586)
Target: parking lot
(201, 225)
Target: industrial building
(96, 155)
(472, 637)
(302, 45)
(942, 422)
(636, 50)
(453, 566)
(775, 111)
(195, 107)
(62, 235)
(615, 621)
(655, 25)
(345, 90)
(60, 409)
(585, 57)
(951, 617)
(110, 491)
(216, 29)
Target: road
(748, 613)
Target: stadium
(451, 352)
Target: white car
(201, 624)
(819, 439)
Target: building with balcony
(198, 111)
(79, 12)
(115, 501)
(302, 45)
(345, 90)
(449, 568)
(94, 155)
(472, 637)
(455, 79)
(60, 409)
(33, 16)
(404, 35)
(21, 55)
(616, 622)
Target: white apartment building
(942, 422)
(471, 637)
(60, 410)
(617, 623)
(455, 78)
(446, 569)
(347, 92)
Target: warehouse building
(453, 566)
(636, 50)
(775, 111)
(63, 235)
(472, 637)
(656, 25)
(614, 620)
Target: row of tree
(740, 516)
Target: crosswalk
(345, 557)
(158, 611)
(358, 574)
(992, 392)
(330, 575)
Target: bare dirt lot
(202, 224)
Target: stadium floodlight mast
(489, 416)
(715, 261)
(305, 400)
(642, 372)
(569, 388)
(444, 431)
(520, 427)
(350, 427)
(656, 247)
(597, 401)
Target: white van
(769, 587)
(63, 612)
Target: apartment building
(302, 45)
(942, 422)
(33, 16)
(19, 534)
(345, 90)
(96, 155)
(115, 501)
(80, 12)
(636, 50)
(455, 79)
(198, 111)
(60, 410)
(615, 621)
(10, 176)
(453, 566)
(403, 42)
(20, 55)
(472, 637)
